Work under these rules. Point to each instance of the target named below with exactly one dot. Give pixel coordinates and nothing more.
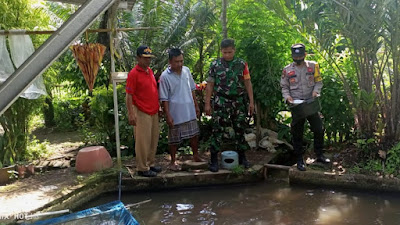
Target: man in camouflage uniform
(229, 80)
(301, 80)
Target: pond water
(261, 204)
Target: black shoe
(156, 169)
(148, 173)
(323, 159)
(300, 165)
(214, 163)
(243, 161)
(213, 167)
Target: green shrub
(15, 123)
(163, 141)
(36, 149)
(102, 119)
(368, 147)
(392, 165)
(338, 115)
(284, 119)
(239, 170)
(373, 166)
(67, 112)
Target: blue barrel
(229, 159)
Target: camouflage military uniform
(230, 101)
(300, 82)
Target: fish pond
(260, 204)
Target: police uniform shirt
(300, 82)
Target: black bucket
(303, 110)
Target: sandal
(198, 159)
(174, 167)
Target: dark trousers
(297, 129)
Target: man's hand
(132, 119)
(170, 121)
(289, 99)
(251, 109)
(315, 94)
(160, 112)
(207, 109)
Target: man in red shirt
(142, 103)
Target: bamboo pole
(112, 22)
(22, 32)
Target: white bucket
(229, 159)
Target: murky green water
(262, 204)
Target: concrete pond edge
(328, 179)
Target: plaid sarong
(183, 131)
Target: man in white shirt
(177, 95)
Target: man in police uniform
(301, 82)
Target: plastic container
(229, 159)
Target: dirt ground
(60, 143)
(30, 193)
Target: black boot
(321, 158)
(242, 160)
(214, 162)
(300, 164)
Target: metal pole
(116, 118)
(47, 214)
(119, 185)
(23, 32)
(50, 51)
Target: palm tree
(184, 24)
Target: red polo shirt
(142, 85)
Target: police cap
(144, 51)
(298, 50)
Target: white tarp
(21, 47)
(6, 68)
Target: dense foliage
(264, 41)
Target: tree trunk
(48, 112)
(224, 19)
(201, 58)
